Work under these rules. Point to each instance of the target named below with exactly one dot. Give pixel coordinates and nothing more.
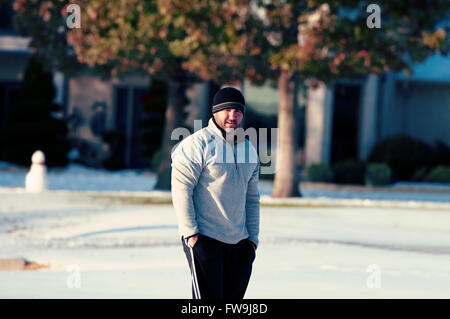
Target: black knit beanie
(228, 98)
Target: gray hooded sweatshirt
(215, 186)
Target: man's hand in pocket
(192, 240)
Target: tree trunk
(174, 118)
(286, 181)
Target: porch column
(319, 115)
(368, 119)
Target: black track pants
(219, 270)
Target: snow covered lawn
(81, 178)
(133, 251)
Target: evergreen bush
(349, 172)
(33, 124)
(404, 155)
(439, 174)
(320, 173)
(378, 174)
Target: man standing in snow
(216, 199)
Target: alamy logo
(74, 279)
(374, 19)
(73, 20)
(374, 279)
(240, 153)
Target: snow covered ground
(133, 251)
(78, 177)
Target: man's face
(228, 118)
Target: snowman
(36, 179)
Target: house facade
(345, 119)
(118, 105)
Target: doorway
(344, 143)
(139, 121)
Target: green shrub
(349, 172)
(320, 173)
(441, 154)
(404, 155)
(439, 174)
(378, 174)
(420, 174)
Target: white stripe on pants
(193, 272)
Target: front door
(345, 122)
